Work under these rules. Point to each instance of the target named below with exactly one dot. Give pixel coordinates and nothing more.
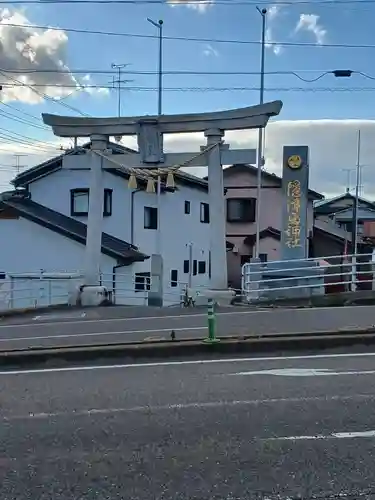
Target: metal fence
(38, 289)
(307, 277)
(129, 290)
(28, 290)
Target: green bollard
(211, 318)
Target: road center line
(204, 405)
(96, 334)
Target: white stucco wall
(26, 247)
(178, 230)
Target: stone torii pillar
(149, 131)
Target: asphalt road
(119, 325)
(242, 429)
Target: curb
(56, 356)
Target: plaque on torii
(150, 131)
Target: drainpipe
(131, 239)
(132, 214)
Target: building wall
(269, 246)
(29, 247)
(271, 202)
(325, 246)
(178, 230)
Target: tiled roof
(267, 175)
(54, 164)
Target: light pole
(260, 161)
(159, 26)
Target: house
(339, 210)
(240, 182)
(43, 223)
(326, 237)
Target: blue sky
(319, 24)
(224, 22)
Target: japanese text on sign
(293, 230)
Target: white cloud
(30, 49)
(332, 143)
(272, 14)
(210, 51)
(310, 22)
(199, 5)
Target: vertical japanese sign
(295, 181)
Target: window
(194, 267)
(174, 277)
(263, 257)
(142, 282)
(79, 202)
(187, 207)
(245, 259)
(241, 209)
(202, 267)
(205, 213)
(151, 218)
(186, 266)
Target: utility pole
(119, 68)
(355, 215)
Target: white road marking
(166, 364)
(334, 435)
(235, 312)
(201, 405)
(59, 316)
(96, 334)
(303, 372)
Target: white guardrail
(270, 280)
(39, 289)
(307, 277)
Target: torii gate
(149, 131)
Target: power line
(224, 89)
(187, 2)
(192, 39)
(42, 94)
(22, 112)
(11, 116)
(181, 72)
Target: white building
(43, 227)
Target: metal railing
(31, 290)
(307, 277)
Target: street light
(260, 160)
(159, 26)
